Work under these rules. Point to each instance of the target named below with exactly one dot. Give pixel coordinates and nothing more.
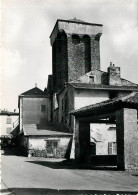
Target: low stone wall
(37, 153)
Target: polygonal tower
(75, 50)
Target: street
(23, 175)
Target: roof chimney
(35, 84)
(114, 75)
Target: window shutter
(109, 147)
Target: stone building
(99, 108)
(77, 76)
(75, 50)
(37, 136)
(77, 81)
(122, 111)
(49, 140)
(34, 107)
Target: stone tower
(75, 50)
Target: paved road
(22, 175)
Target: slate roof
(46, 130)
(104, 87)
(129, 101)
(34, 91)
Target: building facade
(34, 107)
(50, 140)
(37, 135)
(122, 111)
(78, 81)
(9, 121)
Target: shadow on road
(42, 191)
(11, 151)
(70, 164)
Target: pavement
(25, 176)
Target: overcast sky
(27, 25)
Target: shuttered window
(8, 120)
(8, 130)
(112, 148)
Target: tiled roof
(46, 130)
(101, 86)
(6, 112)
(130, 101)
(34, 91)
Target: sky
(26, 53)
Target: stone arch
(61, 58)
(76, 39)
(87, 44)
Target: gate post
(82, 140)
(127, 139)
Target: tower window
(87, 45)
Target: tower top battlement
(75, 26)
(75, 50)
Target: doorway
(51, 148)
(92, 148)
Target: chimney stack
(114, 75)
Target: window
(43, 108)
(55, 101)
(8, 130)
(66, 105)
(91, 79)
(112, 129)
(51, 147)
(112, 148)
(9, 120)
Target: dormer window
(91, 79)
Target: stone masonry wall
(37, 146)
(73, 56)
(127, 139)
(76, 57)
(95, 52)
